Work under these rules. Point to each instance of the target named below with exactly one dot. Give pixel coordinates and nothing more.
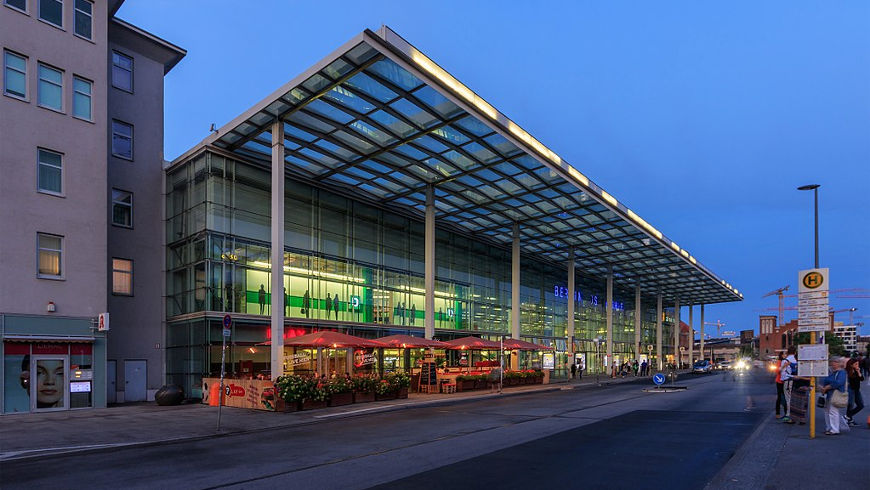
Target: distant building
(773, 339)
(849, 334)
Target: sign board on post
(813, 289)
(228, 321)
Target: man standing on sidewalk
(787, 370)
(573, 370)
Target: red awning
(51, 339)
(516, 344)
(410, 342)
(332, 340)
(473, 343)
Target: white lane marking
(352, 411)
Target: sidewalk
(782, 456)
(38, 435)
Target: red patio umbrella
(473, 343)
(516, 344)
(332, 340)
(411, 342)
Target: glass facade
(352, 266)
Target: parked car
(702, 367)
(724, 366)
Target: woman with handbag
(856, 402)
(834, 389)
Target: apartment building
(81, 137)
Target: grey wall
(137, 321)
(80, 214)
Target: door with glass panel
(49, 388)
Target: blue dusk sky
(702, 116)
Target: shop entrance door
(49, 387)
(111, 378)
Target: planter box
(539, 380)
(403, 393)
(480, 384)
(465, 385)
(359, 397)
(387, 396)
(282, 406)
(339, 399)
(312, 405)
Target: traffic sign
(659, 379)
(649, 348)
(813, 280)
(228, 321)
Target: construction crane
(779, 293)
(719, 324)
(850, 310)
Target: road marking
(352, 411)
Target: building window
(84, 18)
(51, 11)
(122, 208)
(122, 277)
(14, 75)
(122, 71)
(50, 248)
(18, 4)
(50, 88)
(50, 172)
(122, 140)
(82, 98)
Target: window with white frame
(49, 91)
(122, 139)
(122, 276)
(122, 208)
(84, 18)
(50, 255)
(82, 98)
(14, 75)
(122, 71)
(51, 11)
(18, 4)
(50, 172)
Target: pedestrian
(635, 367)
(573, 370)
(787, 370)
(780, 391)
(855, 377)
(835, 382)
(328, 306)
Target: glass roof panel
(414, 113)
(437, 102)
(430, 144)
(338, 69)
(354, 142)
(480, 152)
(394, 124)
(309, 122)
(320, 157)
(474, 126)
(361, 53)
(257, 147)
(291, 130)
(508, 186)
(341, 152)
(358, 172)
(460, 160)
(316, 83)
(450, 135)
(412, 152)
(371, 87)
(349, 100)
(295, 95)
(394, 73)
(373, 133)
(374, 166)
(508, 169)
(331, 112)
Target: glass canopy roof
(381, 121)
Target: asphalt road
(612, 437)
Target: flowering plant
(384, 387)
(340, 385)
(364, 384)
(398, 380)
(293, 388)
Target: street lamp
(815, 189)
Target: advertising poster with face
(50, 379)
(16, 378)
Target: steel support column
(659, 312)
(637, 324)
(701, 350)
(429, 266)
(609, 316)
(277, 281)
(677, 357)
(570, 314)
(691, 346)
(515, 291)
